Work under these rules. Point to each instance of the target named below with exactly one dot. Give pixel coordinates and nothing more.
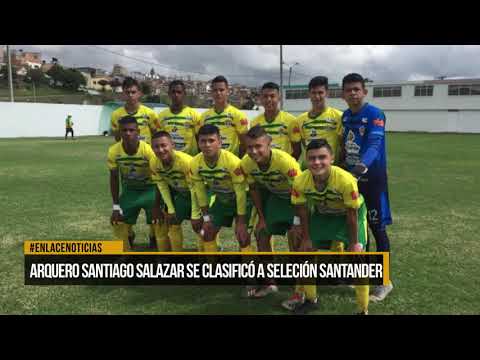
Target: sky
(253, 65)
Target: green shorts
(182, 201)
(324, 229)
(278, 213)
(132, 201)
(224, 210)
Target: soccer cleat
(265, 291)
(294, 301)
(362, 313)
(249, 292)
(380, 292)
(306, 307)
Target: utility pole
(10, 81)
(281, 77)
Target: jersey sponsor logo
(354, 195)
(238, 171)
(244, 122)
(292, 172)
(379, 122)
(313, 133)
(352, 149)
(365, 120)
(295, 193)
(296, 130)
(361, 130)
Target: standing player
(274, 171)
(366, 158)
(172, 168)
(233, 123)
(330, 214)
(181, 121)
(322, 121)
(219, 171)
(130, 159)
(279, 125)
(69, 126)
(145, 116)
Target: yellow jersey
(231, 122)
(177, 177)
(279, 176)
(341, 192)
(182, 127)
(283, 130)
(145, 118)
(134, 169)
(327, 125)
(225, 179)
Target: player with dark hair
(180, 120)
(172, 168)
(130, 159)
(280, 125)
(133, 107)
(366, 159)
(322, 121)
(330, 214)
(218, 170)
(233, 123)
(270, 174)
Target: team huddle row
(318, 179)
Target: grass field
(53, 189)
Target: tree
(146, 88)
(152, 73)
(57, 73)
(115, 83)
(103, 83)
(36, 76)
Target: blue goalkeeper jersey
(364, 139)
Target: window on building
(456, 90)
(387, 91)
(335, 93)
(424, 90)
(296, 94)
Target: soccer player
(322, 121)
(330, 214)
(219, 171)
(172, 168)
(69, 126)
(181, 121)
(233, 123)
(145, 116)
(366, 158)
(130, 159)
(279, 125)
(274, 171)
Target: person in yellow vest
(69, 126)
(145, 116)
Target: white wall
(39, 120)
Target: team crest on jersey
(174, 129)
(313, 133)
(361, 130)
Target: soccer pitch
(57, 189)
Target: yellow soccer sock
(120, 232)
(361, 292)
(161, 236)
(272, 242)
(247, 248)
(176, 237)
(200, 246)
(210, 246)
(310, 292)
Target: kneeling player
(270, 174)
(173, 171)
(219, 171)
(330, 213)
(130, 159)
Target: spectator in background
(69, 126)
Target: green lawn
(53, 189)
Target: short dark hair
(128, 120)
(271, 85)
(175, 83)
(318, 81)
(160, 134)
(209, 129)
(129, 82)
(256, 132)
(318, 144)
(353, 77)
(219, 79)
